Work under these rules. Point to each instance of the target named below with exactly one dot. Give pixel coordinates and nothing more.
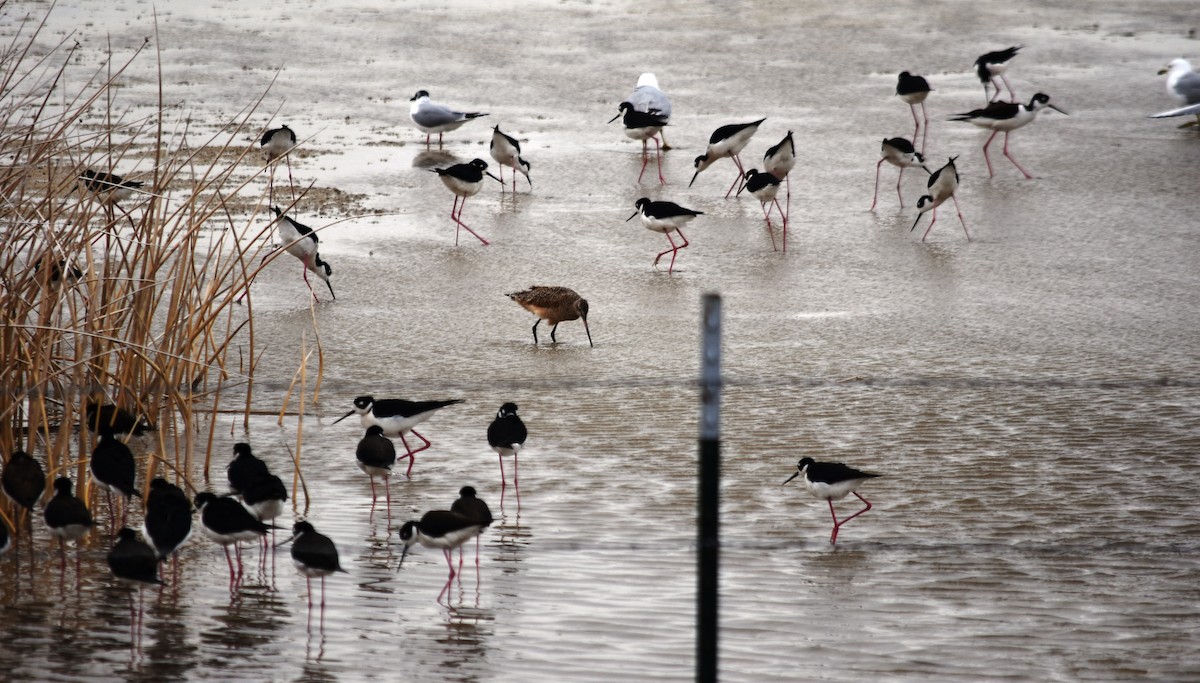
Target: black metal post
(710, 491)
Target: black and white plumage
(991, 67)
(431, 117)
(506, 150)
(376, 454)
(471, 506)
(554, 305)
(66, 516)
(110, 188)
(665, 217)
(780, 158)
(464, 180)
(168, 523)
(643, 126)
(1006, 117)
(227, 522)
(942, 185)
(397, 417)
(277, 142)
(649, 98)
(245, 468)
(314, 555)
(265, 497)
(132, 560)
(913, 90)
(114, 469)
(1184, 85)
(765, 186)
(727, 141)
(301, 241)
(830, 481)
(506, 435)
(24, 482)
(441, 529)
(897, 152)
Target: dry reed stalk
(152, 317)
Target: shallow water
(1031, 396)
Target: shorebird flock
(256, 497)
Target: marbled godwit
(554, 305)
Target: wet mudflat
(1030, 396)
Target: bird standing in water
(554, 305)
(830, 481)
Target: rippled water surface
(1030, 397)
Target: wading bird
(554, 305)
(397, 417)
(913, 90)
(506, 150)
(727, 141)
(897, 152)
(376, 454)
(464, 180)
(942, 185)
(991, 67)
(647, 97)
(506, 435)
(431, 117)
(642, 126)
(665, 217)
(440, 529)
(830, 481)
(275, 143)
(1005, 117)
(764, 187)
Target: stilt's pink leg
(900, 178)
(931, 222)
(874, 200)
(985, 154)
(960, 220)
(1014, 161)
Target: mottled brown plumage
(554, 305)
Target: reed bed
(144, 304)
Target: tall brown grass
(137, 304)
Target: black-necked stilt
(432, 117)
(506, 150)
(397, 417)
(265, 497)
(647, 97)
(1006, 117)
(275, 143)
(228, 522)
(464, 180)
(111, 190)
(942, 185)
(830, 481)
(441, 529)
(66, 516)
(991, 66)
(302, 242)
(133, 560)
(1184, 85)
(376, 455)
(897, 152)
(765, 186)
(471, 506)
(168, 523)
(554, 305)
(314, 555)
(665, 217)
(913, 90)
(245, 468)
(506, 435)
(136, 563)
(643, 126)
(24, 481)
(114, 470)
(727, 141)
(101, 416)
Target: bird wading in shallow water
(506, 150)
(727, 141)
(665, 217)
(913, 90)
(648, 98)
(990, 67)
(397, 417)
(441, 529)
(642, 126)
(764, 187)
(276, 143)
(897, 152)
(1005, 117)
(554, 305)
(431, 117)
(464, 180)
(506, 435)
(830, 481)
(942, 185)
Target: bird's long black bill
(794, 475)
(489, 173)
(332, 295)
(697, 173)
(283, 543)
(615, 117)
(589, 333)
(403, 554)
(1058, 110)
(914, 227)
(631, 217)
(343, 417)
